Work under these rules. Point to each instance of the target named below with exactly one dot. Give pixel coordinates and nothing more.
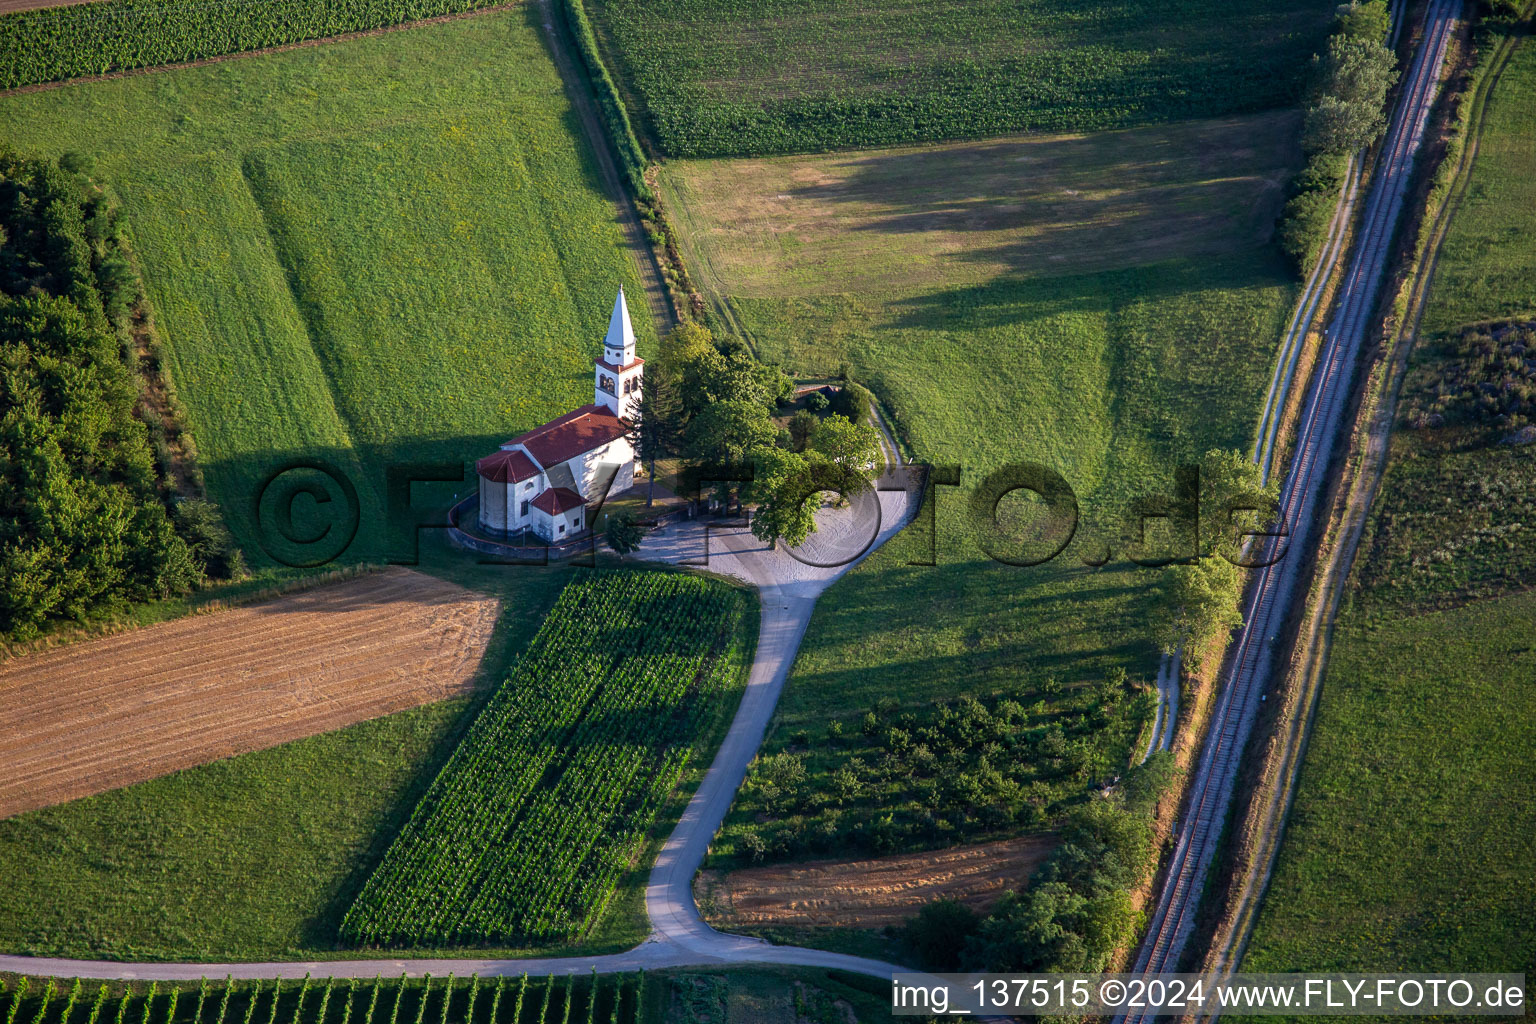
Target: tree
(801, 426)
(786, 508)
(657, 428)
(847, 444)
(1197, 604)
(623, 533)
(726, 431)
(937, 934)
(1352, 79)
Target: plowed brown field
(105, 713)
(869, 893)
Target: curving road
(1278, 587)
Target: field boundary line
(1371, 446)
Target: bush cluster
(1486, 378)
(1077, 909)
(615, 116)
(959, 770)
(84, 520)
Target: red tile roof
(507, 467)
(605, 364)
(557, 500)
(566, 437)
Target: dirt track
(869, 893)
(105, 713)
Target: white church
(542, 481)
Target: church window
(525, 508)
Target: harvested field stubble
(870, 893)
(106, 713)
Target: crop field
(106, 713)
(1115, 312)
(737, 78)
(245, 858)
(525, 832)
(387, 248)
(868, 894)
(1487, 266)
(258, 856)
(611, 999)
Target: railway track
(1280, 584)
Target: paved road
(1278, 587)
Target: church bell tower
(619, 370)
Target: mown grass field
(1487, 266)
(257, 856)
(389, 248)
(737, 78)
(1409, 845)
(1111, 312)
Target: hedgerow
(55, 43)
(615, 117)
(524, 834)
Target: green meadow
(1487, 266)
(388, 248)
(1105, 305)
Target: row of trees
(1346, 111)
(1198, 601)
(84, 521)
(708, 400)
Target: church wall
(493, 505)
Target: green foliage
(853, 402)
(938, 934)
(803, 423)
(1198, 600)
(1077, 912)
(623, 532)
(81, 521)
(1347, 110)
(52, 43)
(785, 504)
(483, 321)
(1309, 210)
(958, 771)
(578, 747)
(848, 444)
(723, 77)
(1353, 77)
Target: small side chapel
(542, 481)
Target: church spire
(620, 342)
